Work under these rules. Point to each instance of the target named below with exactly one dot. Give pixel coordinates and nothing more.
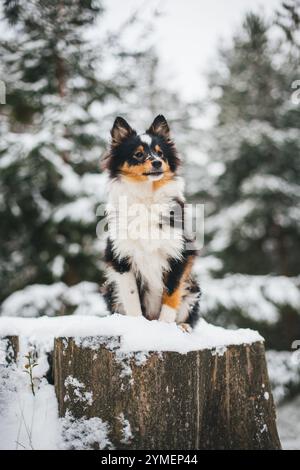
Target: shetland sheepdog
(148, 256)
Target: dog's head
(150, 156)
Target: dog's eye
(139, 155)
(159, 153)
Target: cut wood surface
(206, 399)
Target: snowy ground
(27, 421)
(288, 420)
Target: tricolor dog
(149, 258)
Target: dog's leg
(122, 275)
(173, 289)
(170, 305)
(128, 293)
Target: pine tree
(288, 18)
(256, 139)
(61, 92)
(252, 276)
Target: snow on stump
(214, 397)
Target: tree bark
(11, 344)
(199, 400)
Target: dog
(148, 257)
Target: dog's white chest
(135, 225)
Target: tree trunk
(11, 346)
(167, 400)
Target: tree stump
(166, 400)
(11, 348)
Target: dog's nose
(156, 164)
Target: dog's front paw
(185, 327)
(167, 314)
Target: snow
(54, 299)
(95, 184)
(82, 210)
(288, 421)
(226, 145)
(92, 186)
(27, 421)
(34, 299)
(284, 373)
(57, 267)
(137, 334)
(78, 392)
(258, 184)
(226, 221)
(256, 297)
(126, 429)
(82, 434)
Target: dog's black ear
(160, 127)
(120, 131)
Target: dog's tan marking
(135, 172)
(157, 148)
(168, 176)
(163, 181)
(174, 300)
(140, 149)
